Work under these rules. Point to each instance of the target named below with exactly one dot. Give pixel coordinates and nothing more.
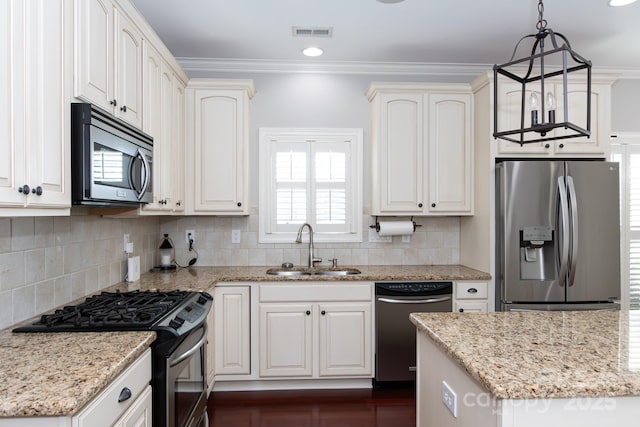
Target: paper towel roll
(395, 228)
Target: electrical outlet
(189, 234)
(126, 242)
(377, 238)
(235, 236)
(450, 399)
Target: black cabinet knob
(323, 312)
(419, 205)
(239, 204)
(433, 205)
(179, 203)
(25, 189)
(561, 145)
(113, 102)
(472, 290)
(125, 394)
(546, 145)
(37, 191)
(123, 108)
(308, 312)
(461, 310)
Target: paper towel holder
(377, 225)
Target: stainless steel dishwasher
(395, 334)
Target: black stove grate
(136, 310)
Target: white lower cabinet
(232, 330)
(107, 409)
(471, 297)
(315, 331)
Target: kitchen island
(525, 369)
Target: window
(313, 176)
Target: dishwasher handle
(414, 301)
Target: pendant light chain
(541, 25)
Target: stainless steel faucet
(312, 259)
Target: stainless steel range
(179, 353)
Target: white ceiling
(370, 32)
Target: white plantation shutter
(627, 153)
(310, 176)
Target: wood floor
(313, 408)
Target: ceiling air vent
(312, 31)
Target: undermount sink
(304, 271)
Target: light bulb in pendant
(533, 103)
(550, 104)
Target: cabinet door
(94, 77)
(139, 414)
(450, 153)
(286, 340)
(128, 70)
(600, 121)
(220, 152)
(178, 148)
(345, 339)
(232, 330)
(12, 84)
(399, 154)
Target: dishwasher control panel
(414, 287)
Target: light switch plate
(449, 399)
(235, 236)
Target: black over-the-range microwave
(111, 161)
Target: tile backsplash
(49, 261)
(436, 242)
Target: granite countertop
(205, 278)
(49, 375)
(530, 355)
(56, 374)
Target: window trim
(267, 135)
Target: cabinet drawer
(324, 292)
(105, 407)
(471, 290)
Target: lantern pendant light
(542, 81)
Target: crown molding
(461, 72)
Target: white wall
(625, 108)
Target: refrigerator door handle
(573, 256)
(564, 217)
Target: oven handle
(193, 349)
(415, 301)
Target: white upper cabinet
(509, 103)
(450, 153)
(108, 59)
(34, 111)
(421, 149)
(218, 146)
(163, 95)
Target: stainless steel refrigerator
(558, 235)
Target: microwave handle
(147, 174)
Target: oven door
(187, 389)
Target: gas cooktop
(121, 311)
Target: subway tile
(23, 234)
(53, 262)
(5, 235)
(45, 296)
(34, 265)
(11, 270)
(6, 309)
(24, 303)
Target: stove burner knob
(177, 322)
(202, 300)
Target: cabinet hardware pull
(433, 205)
(123, 108)
(308, 312)
(37, 191)
(419, 205)
(472, 290)
(323, 312)
(561, 145)
(113, 102)
(179, 203)
(239, 204)
(25, 189)
(546, 145)
(125, 394)
(461, 310)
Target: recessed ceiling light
(312, 51)
(616, 3)
(390, 1)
